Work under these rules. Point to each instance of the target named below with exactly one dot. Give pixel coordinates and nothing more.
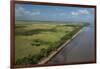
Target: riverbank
(59, 49)
(40, 40)
(80, 50)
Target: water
(80, 49)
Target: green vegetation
(36, 41)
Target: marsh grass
(33, 42)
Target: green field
(36, 40)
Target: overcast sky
(53, 13)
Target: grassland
(35, 40)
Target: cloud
(27, 12)
(74, 13)
(21, 12)
(35, 13)
(84, 11)
(80, 12)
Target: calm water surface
(80, 49)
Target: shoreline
(59, 49)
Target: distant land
(63, 22)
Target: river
(80, 49)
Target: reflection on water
(80, 49)
(89, 28)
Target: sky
(53, 13)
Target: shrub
(38, 42)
